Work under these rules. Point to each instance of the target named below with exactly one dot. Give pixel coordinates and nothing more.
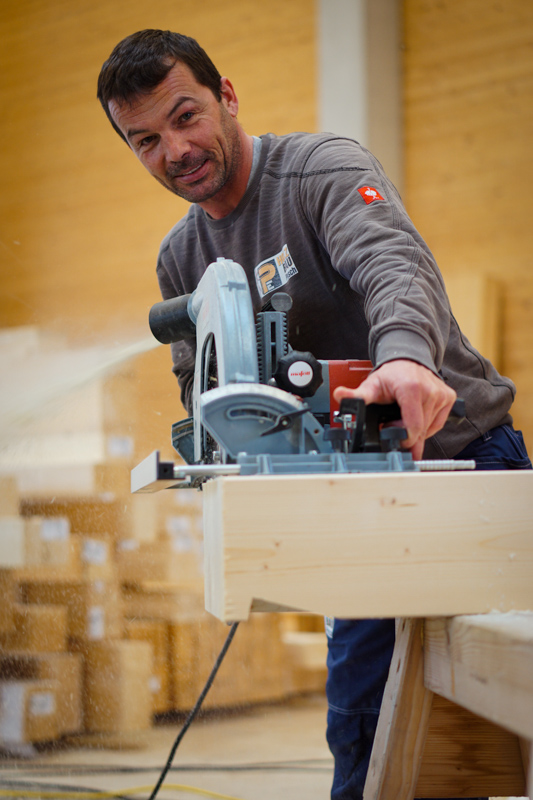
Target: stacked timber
(305, 646)
(102, 620)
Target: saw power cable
(194, 711)
(89, 794)
(69, 770)
(32, 788)
(28, 789)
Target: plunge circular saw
(260, 407)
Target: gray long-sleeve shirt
(321, 220)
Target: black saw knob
(299, 373)
(391, 438)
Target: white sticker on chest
(274, 272)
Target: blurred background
(448, 85)
(440, 90)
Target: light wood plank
(526, 749)
(468, 756)
(530, 769)
(381, 545)
(484, 663)
(468, 83)
(427, 746)
(359, 56)
(306, 649)
(403, 720)
(477, 305)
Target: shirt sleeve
(361, 222)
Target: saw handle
(369, 418)
(169, 320)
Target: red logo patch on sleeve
(369, 194)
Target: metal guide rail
(153, 475)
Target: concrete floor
(269, 736)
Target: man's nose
(175, 147)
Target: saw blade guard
(257, 419)
(221, 308)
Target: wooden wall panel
(80, 219)
(468, 81)
(517, 347)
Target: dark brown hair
(142, 60)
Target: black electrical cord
(193, 712)
(24, 786)
(55, 770)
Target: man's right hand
(424, 399)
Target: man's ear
(229, 98)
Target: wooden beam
(468, 756)
(484, 663)
(370, 545)
(427, 746)
(403, 721)
(477, 303)
(306, 649)
(525, 749)
(359, 56)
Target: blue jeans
(360, 651)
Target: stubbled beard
(225, 167)
(207, 189)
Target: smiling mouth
(192, 171)
(191, 174)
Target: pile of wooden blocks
(101, 634)
(102, 620)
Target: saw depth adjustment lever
(368, 435)
(284, 421)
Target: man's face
(184, 137)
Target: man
(315, 214)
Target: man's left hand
(424, 399)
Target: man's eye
(186, 116)
(147, 140)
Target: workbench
(450, 556)
(457, 714)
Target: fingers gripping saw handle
(368, 436)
